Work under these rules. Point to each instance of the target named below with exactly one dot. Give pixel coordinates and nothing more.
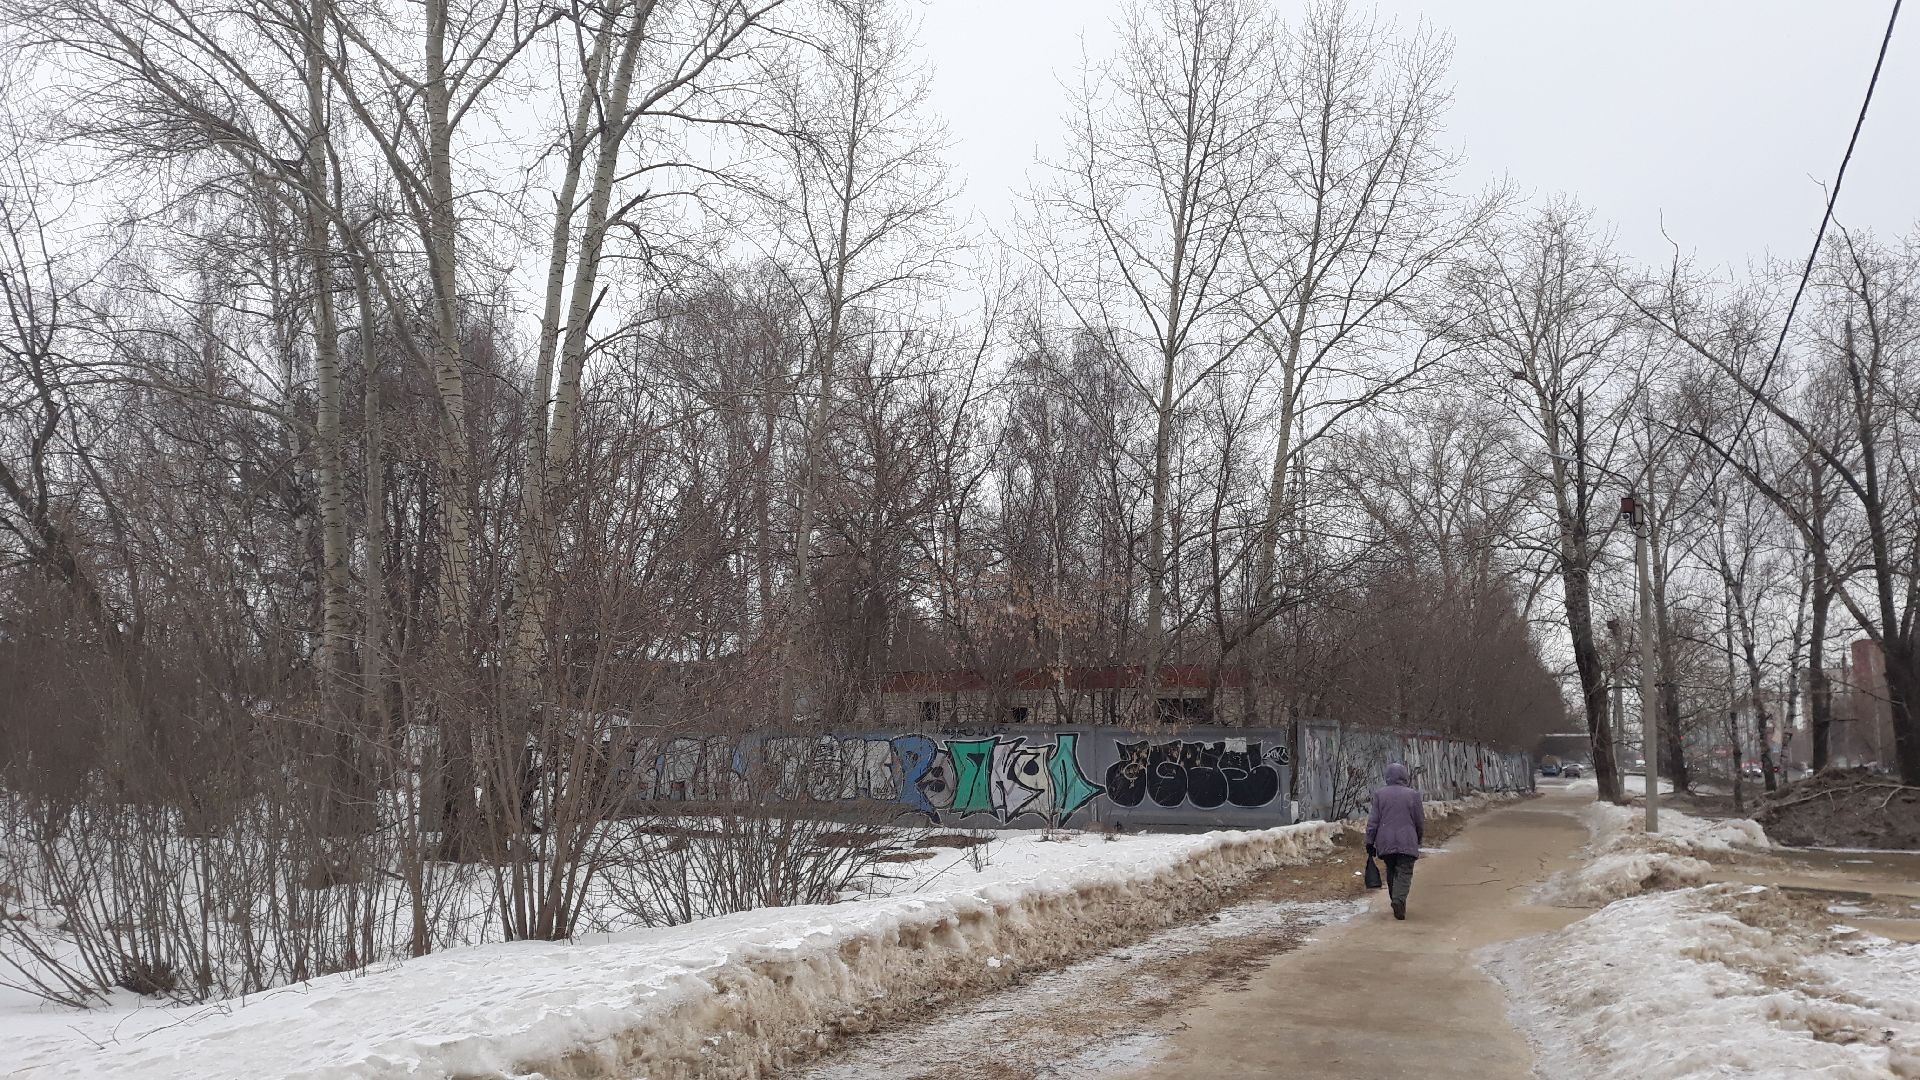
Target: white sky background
(1725, 118)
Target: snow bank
(1607, 878)
(726, 997)
(1472, 804)
(1623, 859)
(1719, 981)
(1624, 828)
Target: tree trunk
(454, 593)
(1157, 540)
(1673, 745)
(827, 357)
(1819, 687)
(1903, 694)
(1593, 680)
(373, 620)
(532, 587)
(560, 436)
(336, 586)
(1762, 721)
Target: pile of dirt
(1851, 808)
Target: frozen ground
(737, 990)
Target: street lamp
(1635, 513)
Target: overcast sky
(1722, 117)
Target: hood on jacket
(1397, 774)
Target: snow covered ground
(1677, 980)
(1720, 981)
(736, 991)
(1625, 860)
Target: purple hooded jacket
(1398, 823)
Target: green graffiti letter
(972, 775)
(1071, 788)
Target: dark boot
(1400, 910)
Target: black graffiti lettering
(1201, 774)
(1127, 778)
(1167, 775)
(1250, 781)
(1206, 780)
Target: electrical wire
(1820, 234)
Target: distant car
(1549, 769)
(1571, 770)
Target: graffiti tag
(1204, 774)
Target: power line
(1833, 197)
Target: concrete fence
(1079, 775)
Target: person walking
(1395, 829)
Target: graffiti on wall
(1341, 767)
(693, 770)
(998, 775)
(1068, 776)
(1204, 774)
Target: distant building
(1862, 712)
(1186, 694)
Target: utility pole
(1634, 510)
(1619, 694)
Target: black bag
(1373, 874)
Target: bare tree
(1846, 403)
(1545, 331)
(1353, 235)
(1140, 228)
(646, 72)
(858, 208)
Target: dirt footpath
(1118, 1012)
(1376, 998)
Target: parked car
(1571, 770)
(1549, 768)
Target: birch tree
(642, 76)
(858, 210)
(1353, 236)
(1140, 227)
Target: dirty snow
(1621, 828)
(1713, 982)
(655, 1001)
(1095, 1018)
(1622, 859)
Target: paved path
(1376, 998)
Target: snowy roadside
(1624, 860)
(1718, 981)
(738, 992)
(1103, 1016)
(1676, 979)
(1116, 1011)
